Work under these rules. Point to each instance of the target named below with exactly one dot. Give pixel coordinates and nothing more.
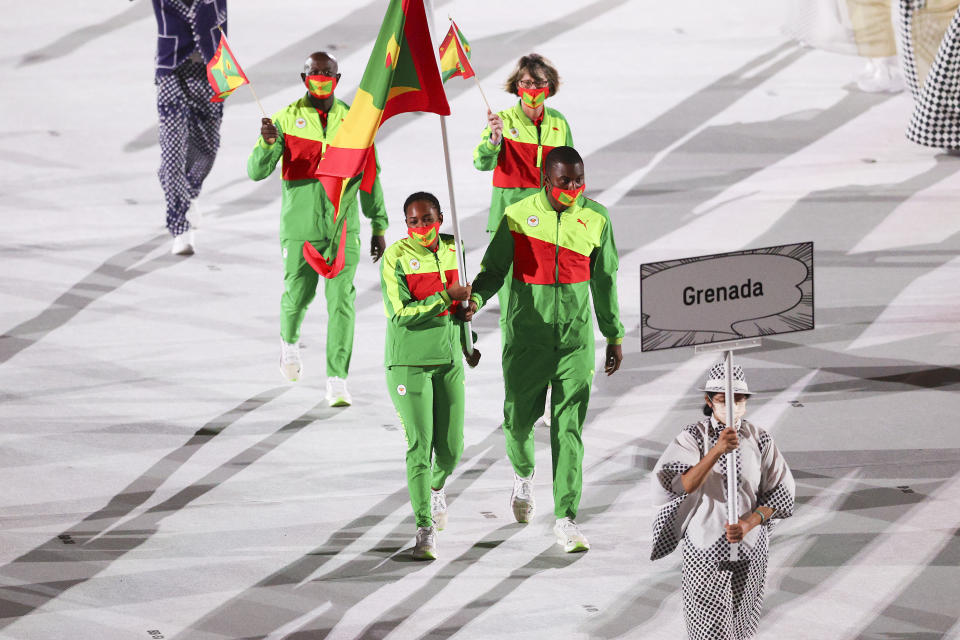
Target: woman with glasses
(721, 599)
(516, 140)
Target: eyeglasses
(532, 84)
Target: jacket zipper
(556, 289)
(539, 156)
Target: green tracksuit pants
(527, 373)
(299, 288)
(430, 402)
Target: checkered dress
(721, 599)
(935, 85)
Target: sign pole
(733, 516)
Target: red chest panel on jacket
(424, 285)
(534, 262)
(517, 165)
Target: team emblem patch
(414, 264)
(301, 123)
(514, 132)
(533, 221)
(401, 390)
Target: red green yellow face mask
(533, 98)
(566, 197)
(425, 236)
(321, 86)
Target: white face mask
(720, 411)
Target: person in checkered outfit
(721, 599)
(929, 44)
(188, 32)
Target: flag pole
(457, 245)
(262, 112)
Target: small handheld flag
(223, 72)
(455, 55)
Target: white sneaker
(337, 394)
(521, 500)
(543, 422)
(290, 364)
(426, 546)
(438, 508)
(569, 536)
(881, 75)
(183, 244)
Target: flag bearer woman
(424, 341)
(516, 140)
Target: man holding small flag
(189, 123)
(297, 137)
(401, 75)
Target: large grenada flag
(401, 76)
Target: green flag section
(223, 72)
(455, 55)
(401, 76)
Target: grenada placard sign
(727, 296)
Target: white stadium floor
(161, 480)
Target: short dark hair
(421, 195)
(537, 66)
(561, 155)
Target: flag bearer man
(424, 341)
(561, 249)
(296, 137)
